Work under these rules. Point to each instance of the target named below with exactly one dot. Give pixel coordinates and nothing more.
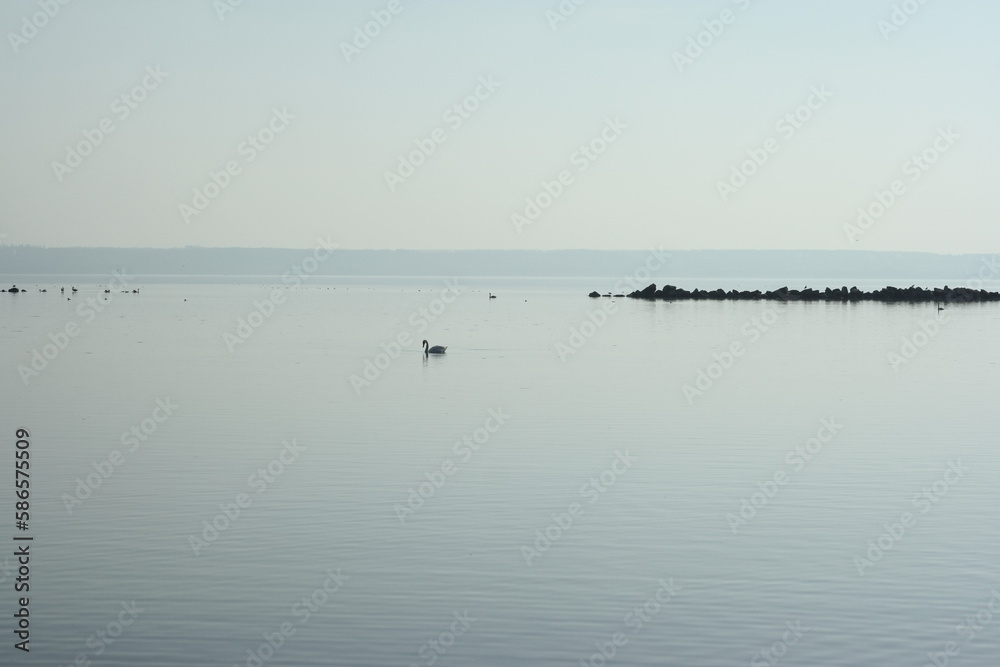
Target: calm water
(639, 486)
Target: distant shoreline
(849, 266)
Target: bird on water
(437, 349)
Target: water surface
(361, 451)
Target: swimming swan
(437, 349)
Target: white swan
(437, 349)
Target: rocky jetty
(885, 295)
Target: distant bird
(75, 289)
(437, 349)
(492, 296)
(940, 307)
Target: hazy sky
(199, 80)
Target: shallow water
(639, 486)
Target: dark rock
(889, 294)
(648, 293)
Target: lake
(257, 474)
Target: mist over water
(575, 478)
(235, 228)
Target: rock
(889, 294)
(648, 293)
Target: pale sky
(199, 80)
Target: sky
(724, 124)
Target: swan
(437, 349)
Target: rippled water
(668, 540)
